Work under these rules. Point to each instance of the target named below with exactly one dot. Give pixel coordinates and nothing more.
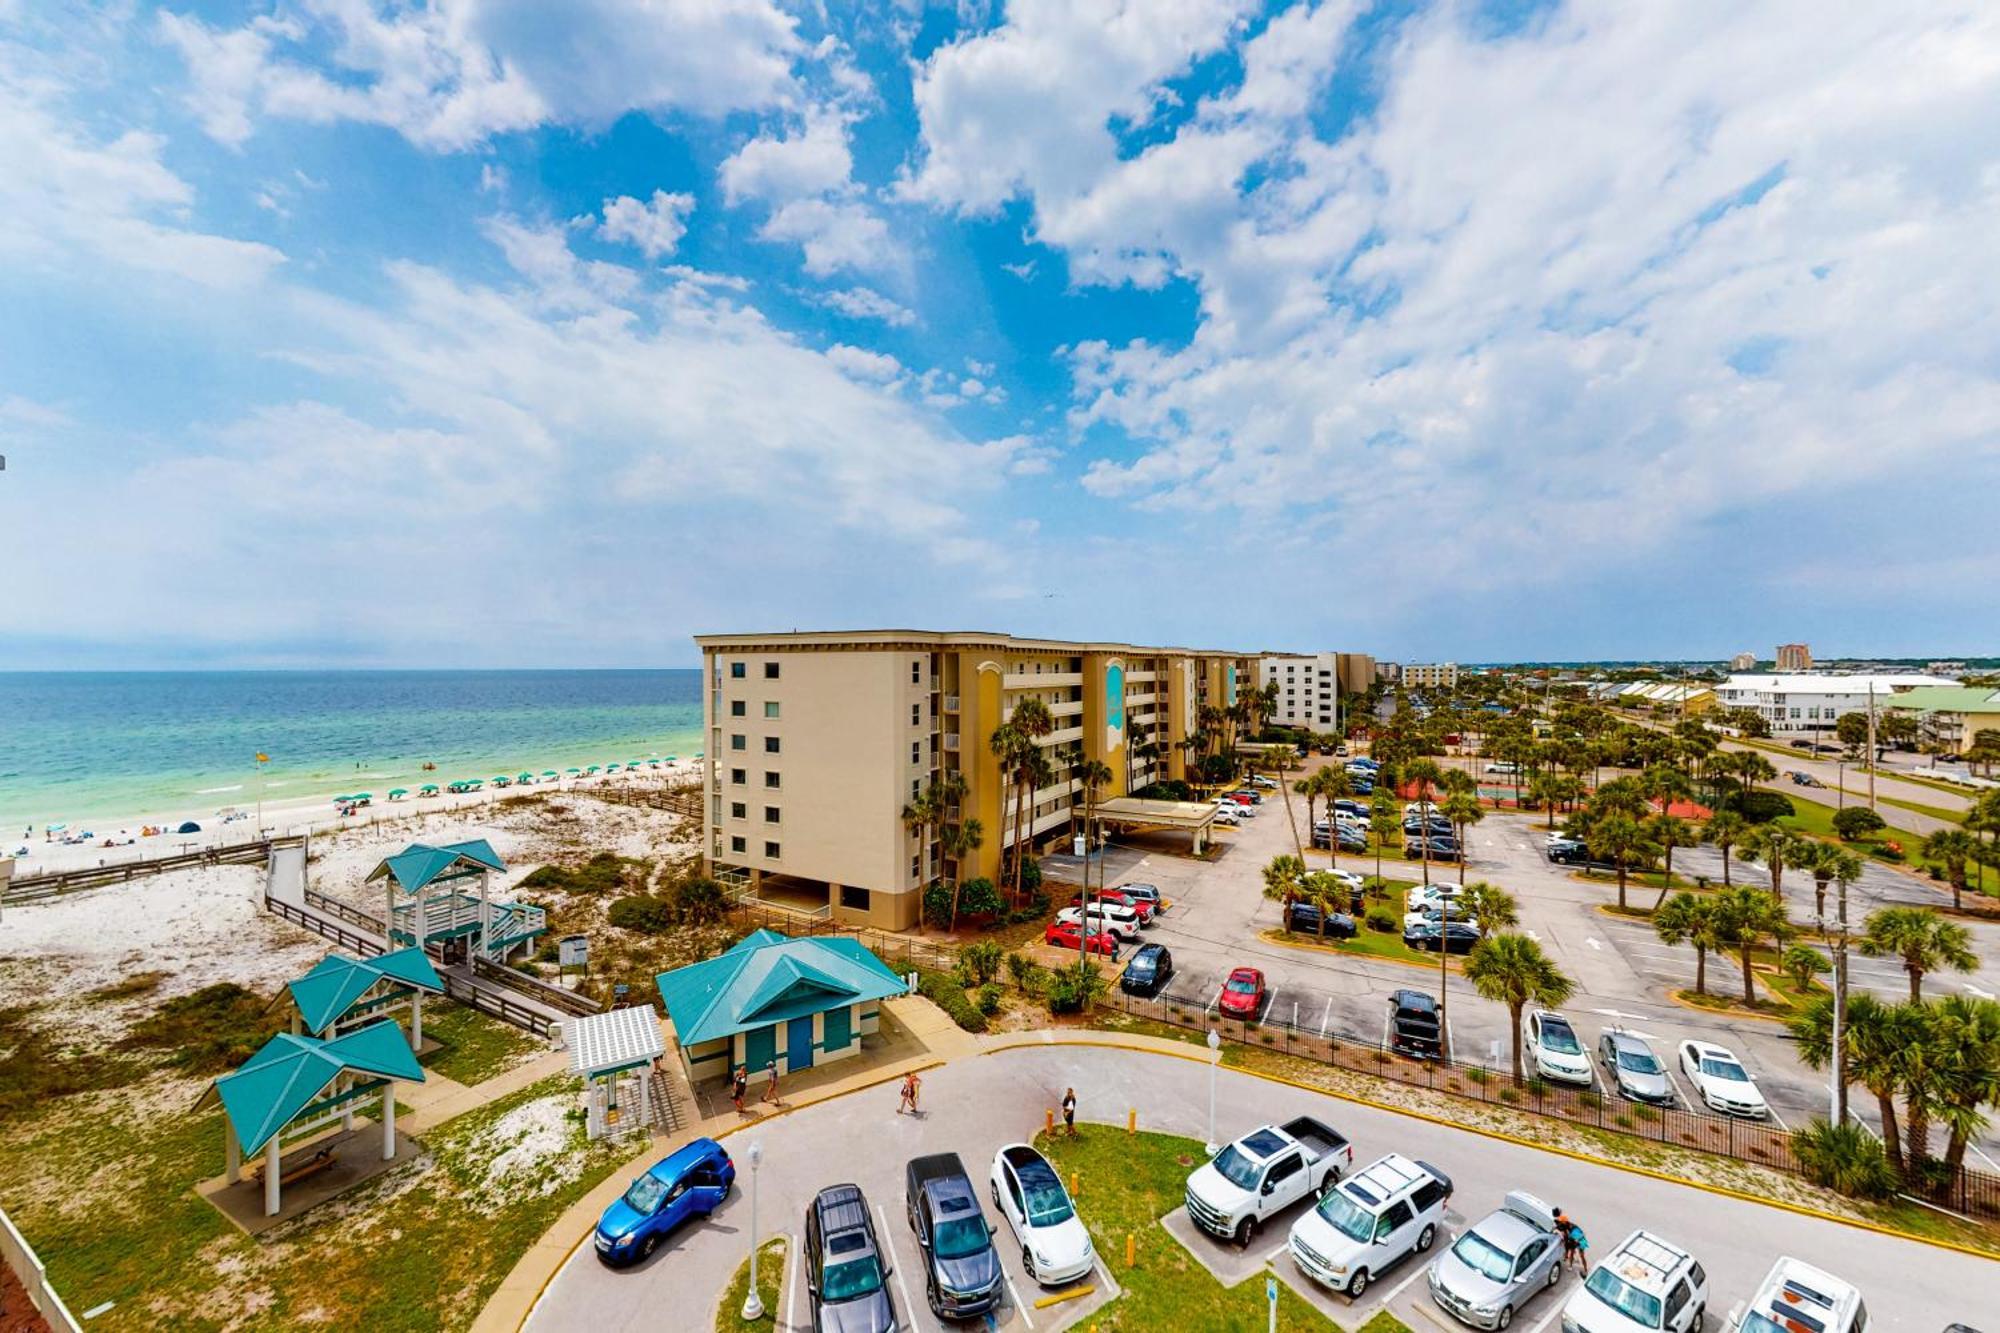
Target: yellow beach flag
(263, 758)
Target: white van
(1798, 1298)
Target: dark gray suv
(962, 1277)
(845, 1265)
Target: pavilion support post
(388, 914)
(272, 1170)
(416, 1020)
(389, 1121)
(485, 914)
(232, 1153)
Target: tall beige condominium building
(1430, 675)
(1794, 657)
(1309, 685)
(1743, 662)
(817, 742)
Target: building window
(917, 672)
(736, 671)
(771, 814)
(771, 673)
(770, 745)
(738, 845)
(771, 779)
(916, 867)
(739, 776)
(916, 715)
(853, 897)
(738, 741)
(916, 757)
(736, 708)
(771, 850)
(770, 708)
(738, 810)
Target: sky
(502, 333)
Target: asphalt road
(975, 1106)
(1623, 973)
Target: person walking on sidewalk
(911, 1086)
(739, 1085)
(771, 1085)
(1069, 1110)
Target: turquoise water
(77, 746)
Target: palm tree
(1425, 774)
(1668, 832)
(1954, 847)
(1777, 847)
(1284, 882)
(959, 841)
(1666, 784)
(1489, 907)
(1725, 829)
(1463, 810)
(1385, 824)
(918, 815)
(1827, 863)
(1924, 941)
(1093, 774)
(1751, 769)
(1872, 1035)
(1689, 918)
(1621, 840)
(1548, 790)
(1965, 1037)
(1512, 970)
(1749, 916)
(1014, 742)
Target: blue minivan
(691, 1182)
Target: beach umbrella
(364, 796)
(697, 754)
(611, 768)
(549, 773)
(189, 827)
(342, 800)
(500, 777)
(428, 786)
(525, 777)
(398, 791)
(576, 772)
(591, 769)
(672, 757)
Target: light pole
(753, 1304)
(1214, 1059)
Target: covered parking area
(1129, 814)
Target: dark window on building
(739, 776)
(736, 671)
(736, 845)
(771, 779)
(770, 814)
(738, 810)
(738, 741)
(736, 708)
(771, 850)
(770, 673)
(853, 897)
(770, 745)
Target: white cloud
(814, 161)
(835, 234)
(656, 227)
(864, 303)
(449, 73)
(864, 364)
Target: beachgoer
(911, 1085)
(771, 1086)
(739, 1084)
(1069, 1110)
(1576, 1246)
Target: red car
(1064, 935)
(1138, 905)
(1243, 993)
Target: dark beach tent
(189, 827)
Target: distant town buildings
(1808, 703)
(1430, 675)
(1950, 717)
(1688, 697)
(1793, 657)
(1946, 668)
(1309, 686)
(1743, 662)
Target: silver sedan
(1498, 1264)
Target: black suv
(1568, 851)
(962, 1276)
(1304, 918)
(1148, 972)
(844, 1265)
(1413, 1024)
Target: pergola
(297, 1085)
(604, 1046)
(1193, 817)
(436, 909)
(341, 994)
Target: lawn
(1370, 943)
(770, 1277)
(1817, 819)
(476, 1046)
(1127, 1183)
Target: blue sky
(489, 332)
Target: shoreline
(294, 815)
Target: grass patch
(1384, 1322)
(770, 1277)
(209, 1031)
(1370, 943)
(1817, 819)
(35, 1066)
(475, 1046)
(1127, 1183)
(1937, 812)
(1733, 1004)
(606, 872)
(139, 983)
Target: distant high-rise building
(1310, 685)
(1743, 662)
(1794, 657)
(1430, 675)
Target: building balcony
(1141, 677)
(1067, 708)
(1043, 680)
(951, 703)
(1144, 697)
(1062, 737)
(951, 742)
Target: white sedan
(1055, 1247)
(1720, 1080)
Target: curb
(1272, 936)
(1724, 1191)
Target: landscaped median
(770, 1285)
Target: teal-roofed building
(773, 998)
(296, 1085)
(341, 994)
(443, 896)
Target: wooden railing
(31, 887)
(554, 996)
(320, 925)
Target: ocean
(78, 746)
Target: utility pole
(1840, 1010)
(1873, 753)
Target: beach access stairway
(28, 888)
(507, 995)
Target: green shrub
(1857, 821)
(979, 897)
(1022, 969)
(1477, 1075)
(982, 960)
(943, 990)
(216, 1028)
(1536, 1085)
(606, 872)
(1031, 880)
(937, 904)
(643, 914)
(699, 901)
(1846, 1158)
(989, 999)
(1075, 987)
(1759, 807)
(1381, 918)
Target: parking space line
(792, 1281)
(1775, 1116)
(1548, 1318)
(890, 1240)
(1399, 1288)
(1020, 1306)
(1326, 1017)
(1679, 1091)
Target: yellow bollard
(1132, 1121)
(1048, 1122)
(1131, 1249)
(1076, 1184)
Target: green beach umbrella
(697, 754)
(500, 777)
(576, 772)
(525, 777)
(549, 773)
(363, 796)
(591, 769)
(428, 786)
(399, 791)
(342, 800)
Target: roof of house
(337, 981)
(1825, 682)
(290, 1073)
(420, 863)
(615, 1039)
(767, 978)
(1949, 699)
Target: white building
(1309, 685)
(1806, 702)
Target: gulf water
(82, 746)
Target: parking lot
(1624, 975)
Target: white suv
(1796, 1294)
(1114, 919)
(1557, 1052)
(1646, 1285)
(1387, 1211)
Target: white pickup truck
(1263, 1173)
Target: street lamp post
(753, 1304)
(1214, 1059)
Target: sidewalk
(924, 1037)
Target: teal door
(760, 1047)
(839, 1030)
(799, 1044)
